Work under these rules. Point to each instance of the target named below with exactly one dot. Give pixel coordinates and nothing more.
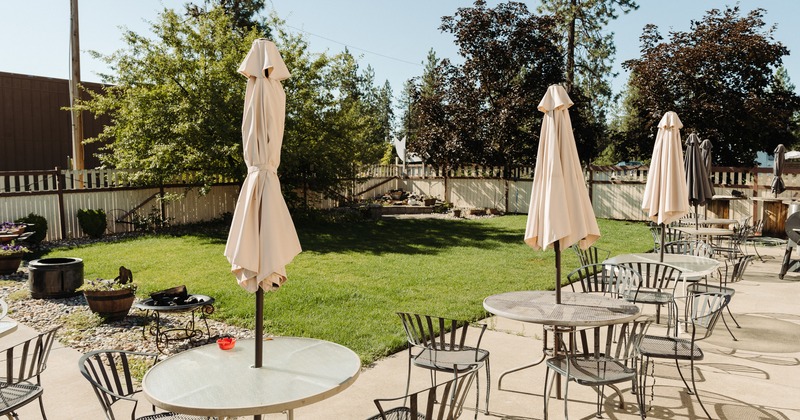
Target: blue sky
(392, 37)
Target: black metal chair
(614, 280)
(440, 345)
(732, 272)
(441, 402)
(591, 255)
(109, 372)
(670, 235)
(703, 309)
(598, 357)
(657, 288)
(21, 364)
(694, 247)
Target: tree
(176, 106)
(486, 107)
(588, 54)
(243, 13)
(720, 78)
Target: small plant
(39, 227)
(151, 221)
(12, 249)
(93, 222)
(122, 282)
(11, 227)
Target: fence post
(60, 194)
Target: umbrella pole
(259, 327)
(259, 333)
(696, 218)
(557, 248)
(661, 247)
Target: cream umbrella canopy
(262, 239)
(560, 213)
(666, 197)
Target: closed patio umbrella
(777, 170)
(665, 194)
(262, 239)
(697, 181)
(560, 213)
(706, 148)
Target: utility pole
(74, 93)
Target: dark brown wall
(35, 132)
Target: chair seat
(15, 396)
(589, 370)
(650, 296)
(171, 416)
(669, 348)
(399, 413)
(450, 361)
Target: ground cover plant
(352, 277)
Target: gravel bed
(81, 332)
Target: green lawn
(352, 277)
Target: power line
(356, 48)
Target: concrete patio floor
(757, 377)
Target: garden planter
(112, 305)
(9, 264)
(429, 201)
(55, 278)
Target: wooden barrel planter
(113, 305)
(9, 264)
(55, 278)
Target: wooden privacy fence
(616, 193)
(57, 195)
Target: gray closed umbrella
(777, 170)
(705, 151)
(697, 183)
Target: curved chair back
(444, 401)
(612, 279)
(109, 372)
(20, 363)
(689, 247)
(590, 255)
(704, 306)
(656, 275)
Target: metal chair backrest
(442, 334)
(444, 401)
(704, 307)
(697, 248)
(656, 275)
(591, 255)
(611, 279)
(27, 360)
(109, 372)
(617, 341)
(733, 269)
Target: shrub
(93, 222)
(39, 227)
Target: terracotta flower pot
(112, 305)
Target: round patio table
(575, 310)
(208, 381)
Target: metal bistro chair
(598, 356)
(109, 372)
(704, 308)
(20, 365)
(439, 345)
(614, 280)
(590, 255)
(694, 247)
(732, 272)
(441, 402)
(670, 235)
(657, 288)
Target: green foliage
(720, 78)
(93, 222)
(39, 227)
(352, 277)
(482, 111)
(588, 51)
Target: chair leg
(548, 387)
(41, 407)
(488, 387)
(728, 307)
(696, 394)
(408, 377)
(678, 366)
(724, 322)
